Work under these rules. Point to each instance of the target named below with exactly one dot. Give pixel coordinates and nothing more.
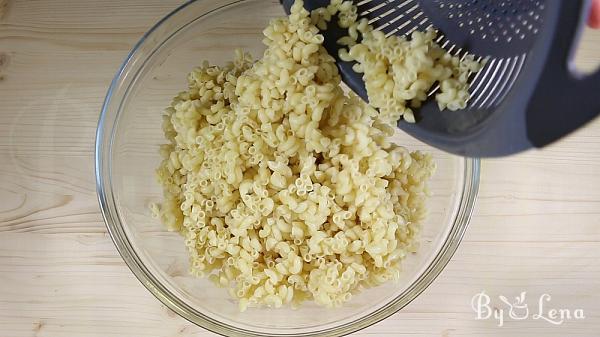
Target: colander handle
(562, 100)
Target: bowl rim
(103, 175)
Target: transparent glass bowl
(128, 136)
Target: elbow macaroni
(399, 72)
(284, 187)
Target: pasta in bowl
(130, 133)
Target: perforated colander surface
(502, 31)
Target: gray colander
(528, 94)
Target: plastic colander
(528, 94)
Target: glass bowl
(127, 141)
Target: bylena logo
(518, 309)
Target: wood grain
(536, 227)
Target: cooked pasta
(399, 72)
(285, 188)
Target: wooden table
(536, 227)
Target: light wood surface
(536, 227)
